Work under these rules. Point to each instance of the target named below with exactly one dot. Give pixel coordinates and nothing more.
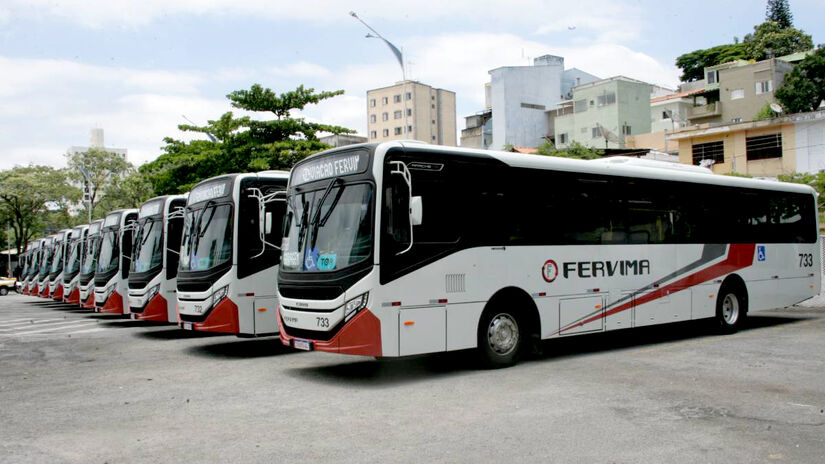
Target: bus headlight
(354, 305)
(216, 298)
(109, 290)
(152, 292)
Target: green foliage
(771, 39)
(693, 63)
(779, 11)
(804, 87)
(35, 199)
(764, 113)
(129, 191)
(104, 169)
(242, 144)
(575, 150)
(817, 181)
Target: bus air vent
(455, 283)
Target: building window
(385, 116)
(372, 118)
(584, 130)
(386, 132)
(763, 147)
(532, 106)
(432, 106)
(736, 120)
(397, 131)
(433, 121)
(409, 129)
(409, 96)
(396, 98)
(606, 99)
(737, 94)
(372, 102)
(433, 138)
(626, 130)
(373, 135)
(713, 77)
(432, 97)
(579, 106)
(709, 151)
(385, 100)
(409, 111)
(665, 115)
(764, 86)
(563, 138)
(595, 132)
(398, 114)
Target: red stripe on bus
(739, 256)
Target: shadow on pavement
(133, 323)
(384, 372)
(176, 333)
(108, 317)
(258, 348)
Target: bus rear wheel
(4, 291)
(500, 338)
(731, 309)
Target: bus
(61, 244)
(112, 274)
(46, 256)
(25, 260)
(402, 248)
(71, 274)
(88, 266)
(33, 268)
(229, 254)
(155, 252)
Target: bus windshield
(46, 264)
(57, 260)
(207, 237)
(90, 257)
(73, 263)
(109, 252)
(148, 245)
(328, 229)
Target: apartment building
(411, 110)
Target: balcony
(705, 111)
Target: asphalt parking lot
(84, 388)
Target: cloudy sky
(136, 67)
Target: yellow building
(427, 112)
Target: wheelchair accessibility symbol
(760, 253)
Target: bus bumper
(73, 297)
(58, 293)
(223, 319)
(113, 305)
(360, 336)
(155, 310)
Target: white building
(96, 141)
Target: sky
(137, 68)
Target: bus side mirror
(268, 221)
(416, 211)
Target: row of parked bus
(172, 260)
(405, 248)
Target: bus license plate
(133, 316)
(299, 344)
(187, 326)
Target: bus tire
(731, 307)
(501, 337)
(4, 291)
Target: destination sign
(326, 167)
(112, 220)
(94, 228)
(150, 209)
(208, 191)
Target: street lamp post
(399, 56)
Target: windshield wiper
(202, 229)
(315, 224)
(148, 232)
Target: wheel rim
(502, 334)
(730, 309)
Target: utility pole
(87, 194)
(399, 56)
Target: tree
(803, 89)
(779, 11)
(764, 113)
(103, 168)
(575, 150)
(770, 39)
(693, 64)
(243, 144)
(129, 191)
(29, 195)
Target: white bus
(46, 255)
(74, 256)
(112, 274)
(230, 252)
(88, 266)
(61, 244)
(33, 264)
(404, 248)
(155, 252)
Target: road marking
(19, 325)
(77, 324)
(96, 329)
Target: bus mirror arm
(264, 217)
(399, 168)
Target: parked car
(7, 285)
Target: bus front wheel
(731, 308)
(501, 335)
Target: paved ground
(83, 388)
